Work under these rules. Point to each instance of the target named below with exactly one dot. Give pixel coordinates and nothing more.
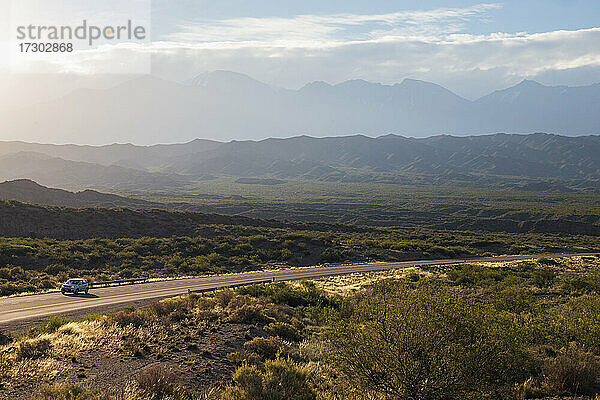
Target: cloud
(432, 45)
(318, 31)
(456, 60)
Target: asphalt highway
(42, 305)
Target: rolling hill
(19, 219)
(57, 172)
(28, 191)
(65, 223)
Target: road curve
(42, 305)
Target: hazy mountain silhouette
(532, 107)
(227, 105)
(58, 172)
(127, 155)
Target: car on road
(75, 286)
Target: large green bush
(399, 342)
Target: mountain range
(66, 173)
(224, 105)
(536, 161)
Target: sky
(470, 47)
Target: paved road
(41, 305)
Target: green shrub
(279, 380)
(514, 299)
(426, 343)
(246, 314)
(55, 322)
(332, 255)
(243, 357)
(284, 331)
(575, 283)
(475, 275)
(178, 315)
(579, 321)
(224, 297)
(92, 317)
(544, 277)
(161, 308)
(413, 277)
(8, 289)
(283, 293)
(548, 261)
(264, 347)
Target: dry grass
(159, 380)
(348, 284)
(46, 357)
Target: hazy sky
(468, 46)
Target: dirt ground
(200, 360)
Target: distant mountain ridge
(223, 105)
(525, 160)
(113, 154)
(388, 157)
(58, 172)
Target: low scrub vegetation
(70, 392)
(33, 264)
(502, 331)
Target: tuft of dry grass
(32, 349)
(572, 371)
(158, 380)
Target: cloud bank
(429, 44)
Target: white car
(75, 286)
